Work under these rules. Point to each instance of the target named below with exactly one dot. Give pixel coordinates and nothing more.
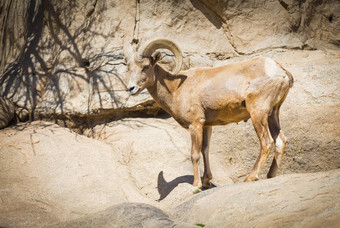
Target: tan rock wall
(66, 58)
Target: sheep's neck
(164, 87)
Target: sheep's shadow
(165, 188)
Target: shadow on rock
(125, 215)
(165, 188)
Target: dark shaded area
(7, 112)
(330, 18)
(209, 13)
(165, 188)
(21, 71)
(29, 75)
(126, 215)
(283, 4)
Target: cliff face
(66, 58)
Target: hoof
(206, 186)
(270, 176)
(251, 178)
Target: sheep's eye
(144, 68)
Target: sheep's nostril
(131, 88)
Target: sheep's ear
(130, 49)
(156, 57)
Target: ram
(203, 97)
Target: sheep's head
(141, 65)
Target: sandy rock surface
(53, 177)
(294, 200)
(51, 174)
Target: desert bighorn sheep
(203, 97)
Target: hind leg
(280, 146)
(264, 98)
(260, 122)
(279, 139)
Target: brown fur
(201, 98)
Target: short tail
(290, 76)
(291, 79)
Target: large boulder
(49, 174)
(157, 152)
(126, 215)
(295, 200)
(52, 177)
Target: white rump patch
(271, 67)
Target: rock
(7, 112)
(22, 114)
(249, 25)
(72, 67)
(126, 215)
(294, 200)
(139, 171)
(49, 174)
(184, 20)
(69, 65)
(152, 148)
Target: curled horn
(152, 46)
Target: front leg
(196, 132)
